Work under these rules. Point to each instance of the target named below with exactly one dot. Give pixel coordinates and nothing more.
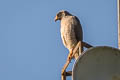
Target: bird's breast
(67, 34)
(65, 26)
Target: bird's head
(61, 14)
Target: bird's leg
(67, 62)
(70, 55)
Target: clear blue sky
(30, 42)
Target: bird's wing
(77, 29)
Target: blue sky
(30, 42)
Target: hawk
(71, 30)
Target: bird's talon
(63, 72)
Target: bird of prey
(71, 30)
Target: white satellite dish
(98, 63)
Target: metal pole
(118, 11)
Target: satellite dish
(98, 63)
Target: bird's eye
(59, 15)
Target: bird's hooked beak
(56, 18)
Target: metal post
(118, 11)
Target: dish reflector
(98, 63)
